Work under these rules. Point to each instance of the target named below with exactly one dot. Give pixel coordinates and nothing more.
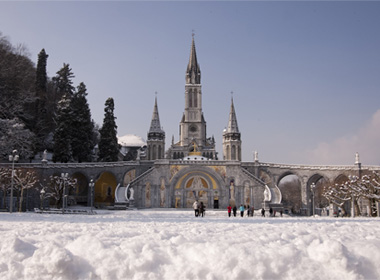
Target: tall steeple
(193, 72)
(231, 137)
(155, 126)
(156, 136)
(192, 131)
(232, 122)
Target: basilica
(189, 170)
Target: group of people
(242, 208)
(199, 208)
(250, 211)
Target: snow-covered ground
(171, 244)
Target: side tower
(193, 125)
(156, 137)
(231, 137)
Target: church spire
(156, 136)
(193, 72)
(232, 122)
(155, 126)
(232, 137)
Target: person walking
(252, 211)
(202, 209)
(229, 208)
(195, 207)
(234, 210)
(262, 212)
(270, 212)
(248, 211)
(241, 210)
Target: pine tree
(42, 123)
(62, 151)
(108, 145)
(82, 127)
(41, 76)
(63, 81)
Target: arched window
(233, 152)
(195, 99)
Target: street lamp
(91, 185)
(64, 177)
(42, 192)
(312, 187)
(13, 157)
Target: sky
(304, 74)
(156, 244)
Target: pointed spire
(155, 125)
(232, 122)
(193, 72)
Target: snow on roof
(131, 140)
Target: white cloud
(365, 141)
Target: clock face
(193, 128)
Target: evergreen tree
(41, 76)
(108, 145)
(63, 81)
(82, 127)
(62, 151)
(42, 124)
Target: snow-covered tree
(24, 179)
(354, 189)
(57, 186)
(82, 127)
(15, 136)
(5, 181)
(62, 151)
(108, 145)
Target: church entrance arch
(196, 185)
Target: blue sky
(305, 75)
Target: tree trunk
(21, 200)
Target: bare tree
(58, 186)
(24, 179)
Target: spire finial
(192, 33)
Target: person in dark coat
(270, 212)
(234, 210)
(262, 212)
(202, 209)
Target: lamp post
(13, 157)
(64, 178)
(91, 185)
(312, 187)
(42, 193)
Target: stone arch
(104, 192)
(81, 192)
(320, 202)
(340, 179)
(290, 187)
(199, 182)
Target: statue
(357, 158)
(256, 158)
(44, 156)
(132, 191)
(232, 191)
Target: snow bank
(150, 244)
